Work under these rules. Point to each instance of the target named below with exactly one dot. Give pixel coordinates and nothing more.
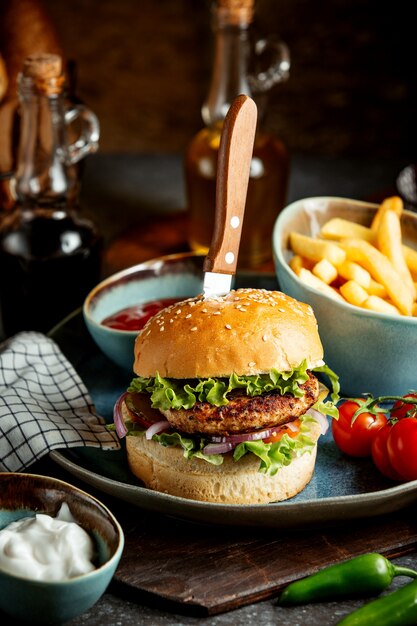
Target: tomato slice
(356, 439)
(284, 430)
(402, 447)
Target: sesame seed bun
(247, 331)
(168, 471)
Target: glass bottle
(231, 76)
(50, 255)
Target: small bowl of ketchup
(117, 309)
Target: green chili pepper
(368, 574)
(398, 608)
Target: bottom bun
(166, 469)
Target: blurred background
(347, 113)
(144, 66)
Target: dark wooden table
(139, 202)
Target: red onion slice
(218, 448)
(118, 420)
(291, 426)
(239, 438)
(157, 427)
(320, 418)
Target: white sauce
(46, 548)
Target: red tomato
(380, 453)
(403, 409)
(402, 447)
(356, 439)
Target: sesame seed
(193, 328)
(188, 316)
(228, 326)
(171, 320)
(252, 363)
(161, 328)
(264, 338)
(242, 309)
(178, 312)
(216, 313)
(204, 310)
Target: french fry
(296, 263)
(353, 271)
(316, 249)
(353, 293)
(376, 289)
(312, 281)
(338, 228)
(410, 256)
(389, 242)
(381, 270)
(373, 303)
(325, 270)
(394, 204)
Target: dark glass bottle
(268, 180)
(50, 255)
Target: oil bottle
(232, 74)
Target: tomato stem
(369, 405)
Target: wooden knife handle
(235, 154)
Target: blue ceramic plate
(340, 489)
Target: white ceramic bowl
(371, 352)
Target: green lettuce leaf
(168, 393)
(272, 456)
(328, 407)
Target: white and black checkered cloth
(44, 405)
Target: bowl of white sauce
(59, 548)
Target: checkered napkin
(44, 405)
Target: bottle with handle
(45, 174)
(233, 74)
(50, 253)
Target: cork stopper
(236, 11)
(46, 72)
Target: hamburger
(226, 405)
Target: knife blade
(235, 154)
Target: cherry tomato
(380, 453)
(403, 409)
(402, 447)
(356, 439)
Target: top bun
(247, 331)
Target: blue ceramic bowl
(371, 352)
(22, 495)
(173, 276)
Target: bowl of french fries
(355, 263)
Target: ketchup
(135, 317)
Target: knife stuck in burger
(225, 406)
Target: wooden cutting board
(204, 570)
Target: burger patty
(244, 413)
